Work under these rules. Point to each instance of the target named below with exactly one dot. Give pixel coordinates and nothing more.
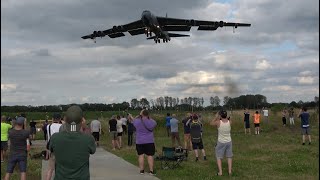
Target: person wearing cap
(224, 143)
(196, 136)
(51, 130)
(4, 136)
(19, 146)
(72, 148)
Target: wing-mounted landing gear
(147, 32)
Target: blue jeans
(20, 159)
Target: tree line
(257, 101)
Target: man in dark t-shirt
(186, 131)
(113, 132)
(305, 127)
(33, 129)
(72, 148)
(19, 145)
(246, 121)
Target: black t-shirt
(113, 124)
(33, 124)
(185, 127)
(246, 116)
(18, 140)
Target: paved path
(105, 165)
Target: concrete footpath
(105, 165)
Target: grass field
(276, 153)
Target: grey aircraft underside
(157, 28)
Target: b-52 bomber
(157, 28)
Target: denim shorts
(223, 149)
(21, 160)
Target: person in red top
(256, 122)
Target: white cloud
(263, 65)
(306, 80)
(8, 87)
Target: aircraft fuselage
(151, 22)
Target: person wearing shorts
(305, 127)
(224, 143)
(196, 137)
(19, 146)
(95, 127)
(33, 129)
(145, 140)
(186, 132)
(256, 122)
(246, 121)
(113, 133)
(174, 131)
(4, 137)
(119, 130)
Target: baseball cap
(74, 114)
(20, 120)
(56, 116)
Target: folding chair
(169, 158)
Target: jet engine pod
(120, 28)
(114, 29)
(221, 23)
(236, 25)
(190, 22)
(100, 34)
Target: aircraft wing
(134, 28)
(202, 25)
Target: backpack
(195, 131)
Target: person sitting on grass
(196, 136)
(224, 143)
(19, 146)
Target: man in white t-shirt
(51, 129)
(96, 130)
(265, 114)
(124, 124)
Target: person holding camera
(305, 127)
(224, 143)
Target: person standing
(186, 131)
(52, 128)
(4, 137)
(124, 124)
(131, 129)
(174, 128)
(266, 114)
(96, 130)
(256, 122)
(305, 127)
(44, 129)
(246, 121)
(291, 116)
(33, 129)
(284, 119)
(19, 146)
(224, 143)
(196, 136)
(145, 140)
(119, 131)
(72, 148)
(113, 132)
(168, 124)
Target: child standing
(256, 122)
